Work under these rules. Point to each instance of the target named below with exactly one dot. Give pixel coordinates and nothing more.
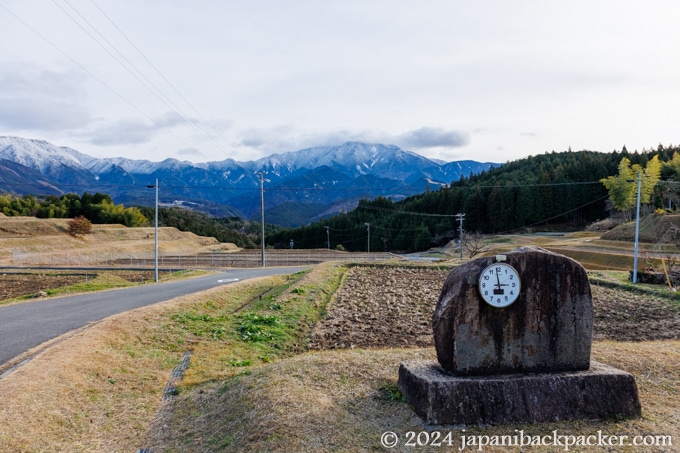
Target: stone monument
(513, 335)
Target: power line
(556, 216)
(154, 67)
(394, 211)
(88, 72)
(130, 67)
(149, 85)
(513, 186)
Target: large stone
(442, 399)
(547, 329)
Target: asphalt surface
(28, 325)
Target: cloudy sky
(488, 80)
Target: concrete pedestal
(442, 399)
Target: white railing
(250, 258)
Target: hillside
(654, 229)
(24, 240)
(548, 192)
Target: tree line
(97, 208)
(564, 190)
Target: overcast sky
(209, 80)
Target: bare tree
(476, 243)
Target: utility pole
(155, 235)
(328, 238)
(637, 229)
(262, 215)
(460, 218)
(155, 239)
(368, 244)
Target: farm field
(34, 284)
(331, 389)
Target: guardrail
(247, 258)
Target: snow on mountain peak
(37, 154)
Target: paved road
(25, 326)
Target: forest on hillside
(550, 191)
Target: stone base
(443, 399)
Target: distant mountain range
(300, 186)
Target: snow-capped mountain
(354, 158)
(326, 176)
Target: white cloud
(132, 131)
(431, 137)
(487, 80)
(34, 99)
(190, 152)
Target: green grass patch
(203, 325)
(255, 325)
(621, 280)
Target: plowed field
(18, 284)
(392, 307)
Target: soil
(16, 284)
(393, 307)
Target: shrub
(79, 226)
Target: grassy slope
(28, 239)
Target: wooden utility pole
(460, 218)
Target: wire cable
(88, 72)
(153, 66)
(130, 67)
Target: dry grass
(101, 389)
(20, 236)
(343, 401)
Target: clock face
(499, 284)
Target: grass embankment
(102, 389)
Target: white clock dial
(499, 284)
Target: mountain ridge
(329, 175)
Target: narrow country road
(25, 326)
